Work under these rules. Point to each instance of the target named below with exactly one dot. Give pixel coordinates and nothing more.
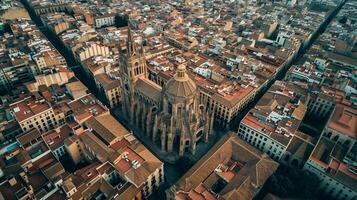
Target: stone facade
(170, 115)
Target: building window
(335, 138)
(287, 157)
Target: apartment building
(272, 125)
(46, 7)
(57, 23)
(106, 140)
(104, 20)
(15, 68)
(37, 170)
(334, 159)
(35, 112)
(341, 125)
(110, 88)
(323, 101)
(90, 49)
(46, 59)
(337, 175)
(60, 76)
(55, 138)
(232, 169)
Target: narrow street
(173, 171)
(58, 44)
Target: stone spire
(130, 45)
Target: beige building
(60, 27)
(46, 60)
(137, 170)
(74, 147)
(170, 115)
(52, 8)
(109, 88)
(76, 89)
(61, 77)
(181, 41)
(35, 112)
(90, 49)
(57, 22)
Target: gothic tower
(133, 67)
(134, 60)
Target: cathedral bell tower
(133, 67)
(135, 62)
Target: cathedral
(171, 115)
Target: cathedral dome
(181, 86)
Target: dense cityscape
(178, 99)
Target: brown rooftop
(255, 168)
(29, 137)
(107, 127)
(329, 155)
(28, 107)
(86, 107)
(149, 89)
(344, 120)
(55, 138)
(107, 82)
